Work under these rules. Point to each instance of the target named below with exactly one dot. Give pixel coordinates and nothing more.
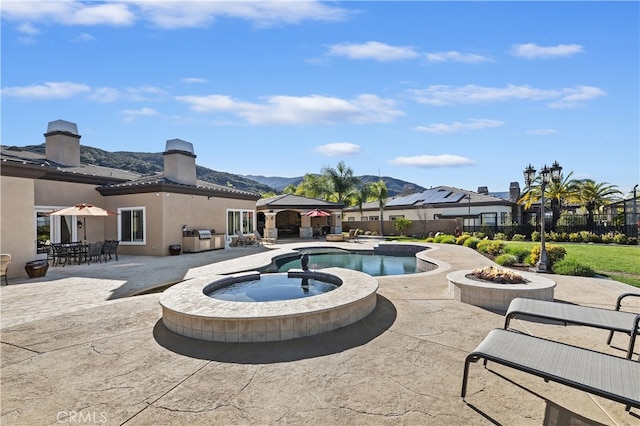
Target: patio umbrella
(317, 213)
(83, 210)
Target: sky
(461, 94)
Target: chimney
(62, 143)
(483, 190)
(514, 191)
(180, 162)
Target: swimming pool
(370, 263)
(271, 287)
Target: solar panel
(430, 196)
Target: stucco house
(441, 208)
(152, 209)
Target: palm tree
(379, 194)
(555, 192)
(594, 195)
(313, 186)
(341, 181)
(362, 196)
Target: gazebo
(294, 215)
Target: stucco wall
(18, 230)
(418, 227)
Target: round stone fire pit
(497, 296)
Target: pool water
(272, 287)
(373, 264)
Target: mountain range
(153, 162)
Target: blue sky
(463, 94)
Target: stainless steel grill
(204, 234)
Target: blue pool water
(373, 264)
(272, 287)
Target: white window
(374, 218)
(132, 225)
(240, 220)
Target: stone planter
(36, 268)
(496, 296)
(175, 249)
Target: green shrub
(518, 237)
(558, 236)
(506, 259)
(520, 252)
(462, 238)
(632, 241)
(620, 238)
(554, 254)
(492, 247)
(572, 267)
(606, 239)
(501, 236)
(575, 237)
(479, 235)
(401, 224)
(471, 242)
(535, 236)
(445, 239)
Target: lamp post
(546, 175)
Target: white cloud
(83, 37)
(455, 127)
(313, 109)
(68, 12)
(429, 161)
(131, 114)
(452, 56)
(373, 50)
(194, 80)
(48, 90)
(542, 132)
(440, 95)
(533, 51)
(170, 14)
(28, 29)
(576, 97)
(338, 149)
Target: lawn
(618, 262)
(621, 263)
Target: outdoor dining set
(79, 252)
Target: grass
(621, 263)
(618, 262)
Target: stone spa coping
(188, 311)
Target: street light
(546, 175)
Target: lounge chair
(608, 319)
(258, 237)
(352, 235)
(608, 376)
(5, 260)
(244, 241)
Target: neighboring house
(285, 216)
(471, 209)
(152, 210)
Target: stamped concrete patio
(77, 347)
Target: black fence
(569, 224)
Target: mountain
(394, 186)
(153, 162)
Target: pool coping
(188, 311)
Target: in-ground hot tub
(187, 309)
